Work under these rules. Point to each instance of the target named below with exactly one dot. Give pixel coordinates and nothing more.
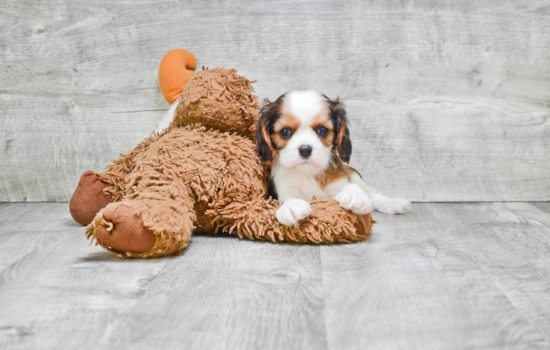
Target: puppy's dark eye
(285, 133)
(322, 131)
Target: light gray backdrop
(449, 100)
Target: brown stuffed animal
(201, 173)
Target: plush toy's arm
(329, 223)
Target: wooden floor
(447, 276)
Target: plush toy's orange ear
(174, 73)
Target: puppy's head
(303, 130)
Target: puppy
(306, 137)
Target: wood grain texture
(226, 293)
(231, 294)
(448, 100)
(446, 276)
(510, 242)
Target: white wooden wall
(449, 101)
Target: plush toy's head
(215, 98)
(219, 99)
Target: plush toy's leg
(115, 174)
(88, 198)
(95, 191)
(126, 232)
(155, 220)
(329, 223)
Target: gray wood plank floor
(446, 276)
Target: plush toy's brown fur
(219, 99)
(202, 174)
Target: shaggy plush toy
(197, 172)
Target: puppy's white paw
(353, 198)
(292, 211)
(389, 205)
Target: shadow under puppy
(305, 135)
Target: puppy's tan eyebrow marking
(328, 124)
(287, 120)
(321, 119)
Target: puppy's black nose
(305, 151)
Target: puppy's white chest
(296, 185)
(306, 190)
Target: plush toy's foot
(127, 233)
(88, 198)
(142, 228)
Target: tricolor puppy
(306, 137)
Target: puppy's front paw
(389, 205)
(292, 211)
(353, 198)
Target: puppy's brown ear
(340, 121)
(267, 139)
(343, 143)
(264, 146)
